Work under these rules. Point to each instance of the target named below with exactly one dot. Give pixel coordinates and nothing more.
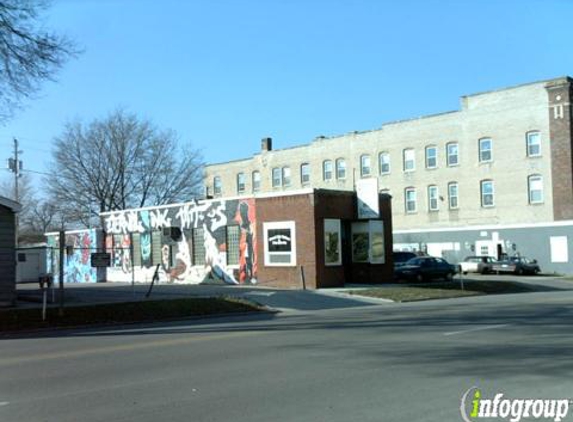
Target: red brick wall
(308, 211)
(561, 146)
(297, 208)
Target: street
(373, 362)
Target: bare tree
(26, 193)
(121, 162)
(29, 54)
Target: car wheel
(519, 271)
(449, 276)
(465, 273)
(419, 278)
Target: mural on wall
(209, 219)
(78, 267)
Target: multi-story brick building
(493, 177)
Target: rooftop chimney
(266, 144)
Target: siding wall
(7, 257)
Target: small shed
(8, 210)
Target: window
(332, 242)
(535, 187)
(286, 176)
(217, 185)
(305, 174)
(256, 181)
(240, 182)
(341, 169)
(233, 236)
(485, 150)
(280, 243)
(277, 180)
(533, 144)
(327, 170)
(409, 160)
(487, 193)
(431, 157)
(136, 241)
(453, 195)
(433, 198)
(452, 154)
(384, 162)
(198, 247)
(364, 165)
(410, 200)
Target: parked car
(477, 264)
(424, 268)
(401, 257)
(517, 265)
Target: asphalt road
(387, 362)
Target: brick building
(330, 237)
(494, 177)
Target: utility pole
(15, 166)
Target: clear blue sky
(224, 74)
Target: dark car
(424, 268)
(517, 265)
(401, 257)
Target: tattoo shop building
(326, 237)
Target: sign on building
(367, 193)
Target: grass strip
(429, 291)
(145, 311)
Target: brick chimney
(266, 144)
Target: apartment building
(494, 177)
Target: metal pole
(61, 287)
(131, 257)
(16, 170)
(302, 278)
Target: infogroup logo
(474, 407)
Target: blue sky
(225, 74)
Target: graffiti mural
(193, 239)
(77, 263)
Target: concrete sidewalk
(280, 299)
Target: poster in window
(332, 242)
(280, 243)
(279, 240)
(377, 249)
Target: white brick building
(458, 179)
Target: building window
(256, 181)
(409, 160)
(433, 198)
(233, 236)
(487, 193)
(305, 174)
(533, 144)
(341, 169)
(286, 176)
(453, 195)
(280, 243)
(198, 242)
(365, 165)
(535, 187)
(240, 182)
(217, 185)
(485, 150)
(431, 157)
(332, 242)
(277, 180)
(327, 170)
(384, 162)
(410, 200)
(452, 154)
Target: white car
(477, 264)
